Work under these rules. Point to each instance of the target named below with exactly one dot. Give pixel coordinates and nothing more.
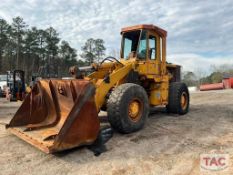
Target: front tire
(128, 108)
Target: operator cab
(146, 43)
(141, 42)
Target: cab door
(153, 55)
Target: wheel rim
(184, 100)
(135, 110)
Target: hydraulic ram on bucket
(57, 115)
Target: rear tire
(128, 108)
(178, 100)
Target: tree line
(41, 51)
(199, 77)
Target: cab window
(130, 44)
(142, 46)
(152, 47)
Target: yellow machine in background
(62, 114)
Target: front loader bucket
(57, 115)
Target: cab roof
(160, 31)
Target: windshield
(134, 44)
(142, 46)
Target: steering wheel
(111, 59)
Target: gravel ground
(168, 144)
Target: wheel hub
(134, 110)
(184, 100)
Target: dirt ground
(168, 144)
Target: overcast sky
(200, 32)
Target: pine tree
(4, 30)
(18, 31)
(99, 49)
(68, 56)
(51, 47)
(93, 50)
(31, 46)
(89, 51)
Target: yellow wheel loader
(63, 114)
